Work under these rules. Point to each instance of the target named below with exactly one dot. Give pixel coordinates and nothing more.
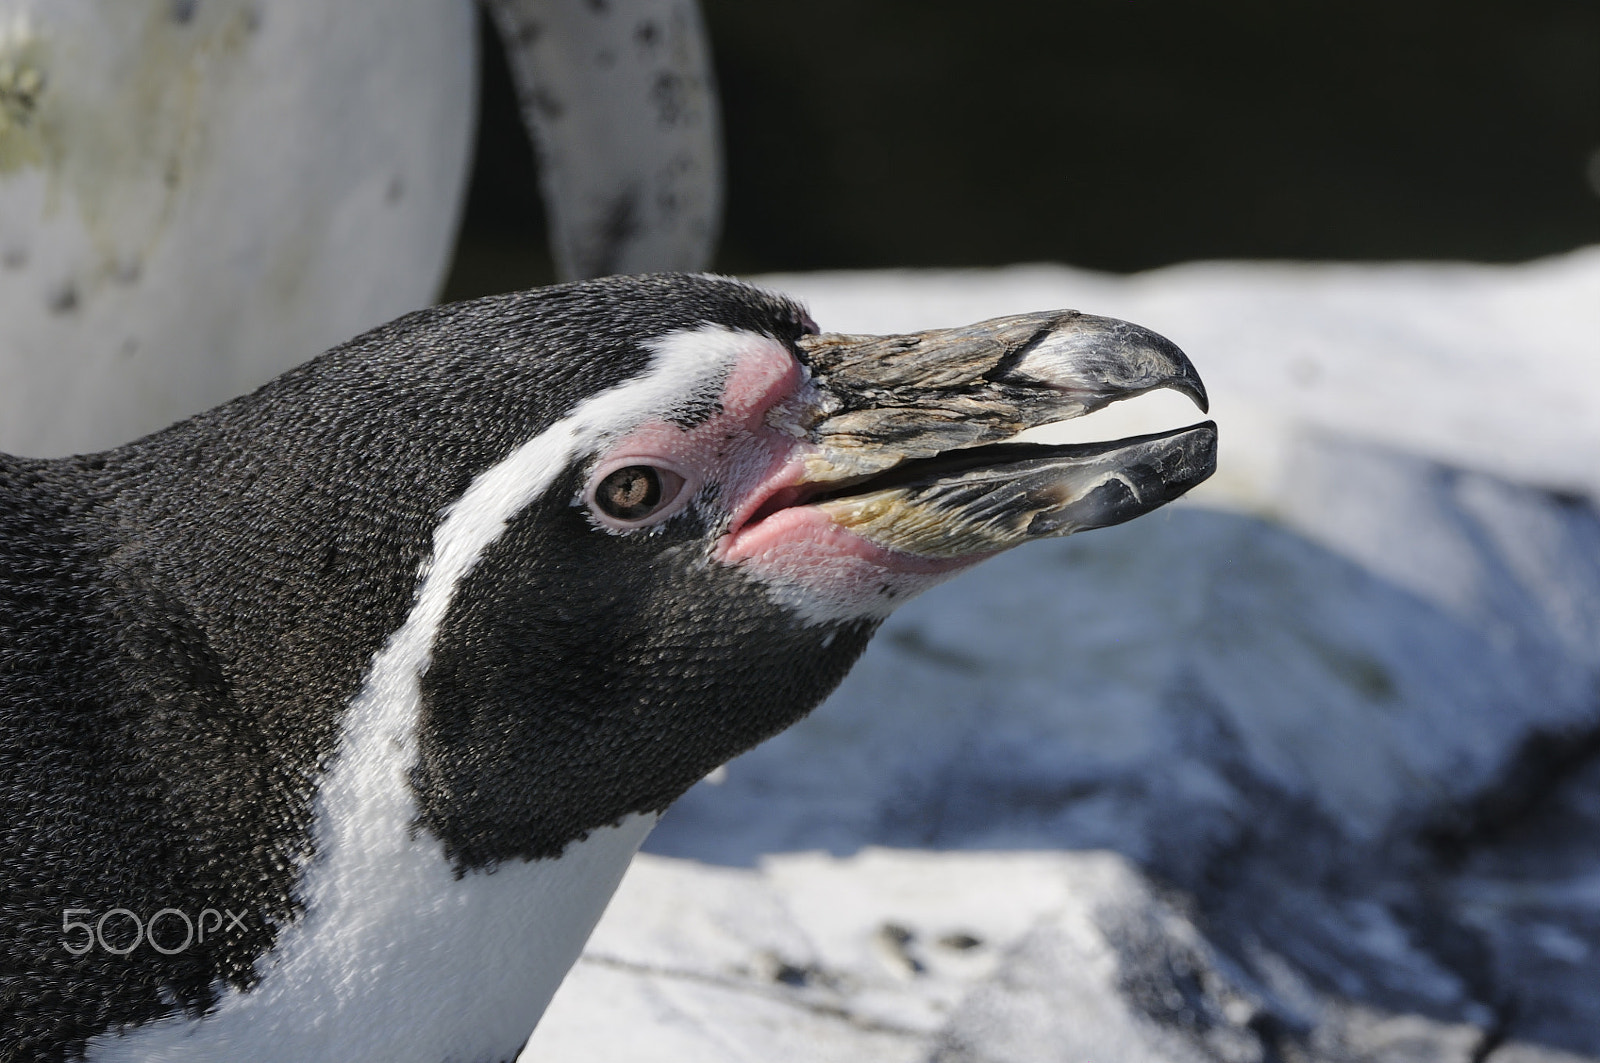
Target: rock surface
(1306, 767)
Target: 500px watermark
(128, 931)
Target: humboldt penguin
(331, 718)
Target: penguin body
(396, 660)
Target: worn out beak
(907, 432)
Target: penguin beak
(908, 432)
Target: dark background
(1116, 134)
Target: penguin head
(685, 551)
(625, 529)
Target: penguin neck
(396, 952)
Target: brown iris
(633, 492)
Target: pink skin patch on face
(822, 570)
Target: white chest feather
(409, 963)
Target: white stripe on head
(395, 958)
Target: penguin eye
(636, 492)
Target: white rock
(865, 958)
